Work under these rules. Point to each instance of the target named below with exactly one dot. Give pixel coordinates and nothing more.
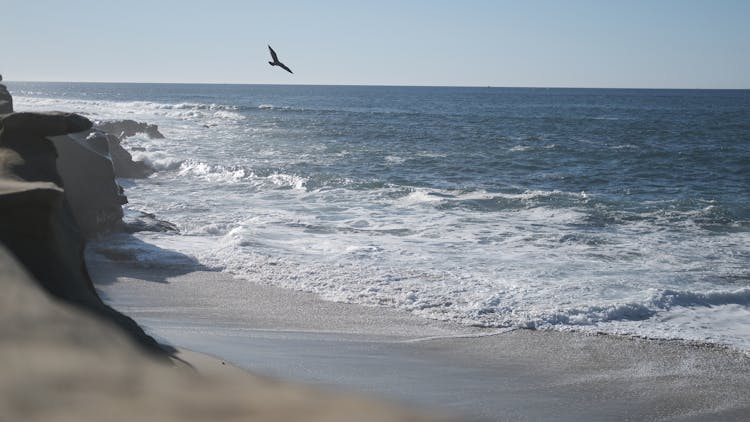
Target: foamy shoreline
(59, 363)
(518, 375)
(291, 206)
(68, 356)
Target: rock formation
(6, 101)
(64, 354)
(140, 221)
(123, 162)
(117, 130)
(127, 128)
(58, 363)
(38, 226)
(88, 177)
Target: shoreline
(64, 363)
(517, 375)
(322, 356)
(65, 354)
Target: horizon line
(381, 85)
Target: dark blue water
(606, 208)
(636, 146)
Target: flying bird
(276, 61)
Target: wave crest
(237, 174)
(147, 110)
(212, 173)
(660, 301)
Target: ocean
(605, 210)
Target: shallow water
(614, 210)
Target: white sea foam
(212, 173)
(288, 180)
(217, 173)
(724, 324)
(419, 195)
(246, 201)
(157, 160)
(244, 249)
(105, 110)
(434, 264)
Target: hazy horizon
(381, 85)
(667, 44)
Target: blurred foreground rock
(67, 356)
(38, 224)
(60, 363)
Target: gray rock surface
(88, 177)
(127, 128)
(6, 100)
(146, 222)
(38, 226)
(60, 363)
(123, 162)
(117, 130)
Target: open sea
(607, 210)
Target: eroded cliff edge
(46, 216)
(64, 354)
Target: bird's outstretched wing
(283, 66)
(276, 61)
(273, 54)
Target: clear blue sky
(569, 43)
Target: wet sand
(471, 372)
(62, 363)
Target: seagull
(276, 61)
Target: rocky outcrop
(140, 221)
(58, 363)
(88, 177)
(77, 162)
(127, 128)
(64, 354)
(117, 130)
(26, 153)
(123, 162)
(38, 225)
(6, 101)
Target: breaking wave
(216, 173)
(145, 110)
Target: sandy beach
(375, 211)
(59, 363)
(469, 372)
(101, 318)
(65, 355)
